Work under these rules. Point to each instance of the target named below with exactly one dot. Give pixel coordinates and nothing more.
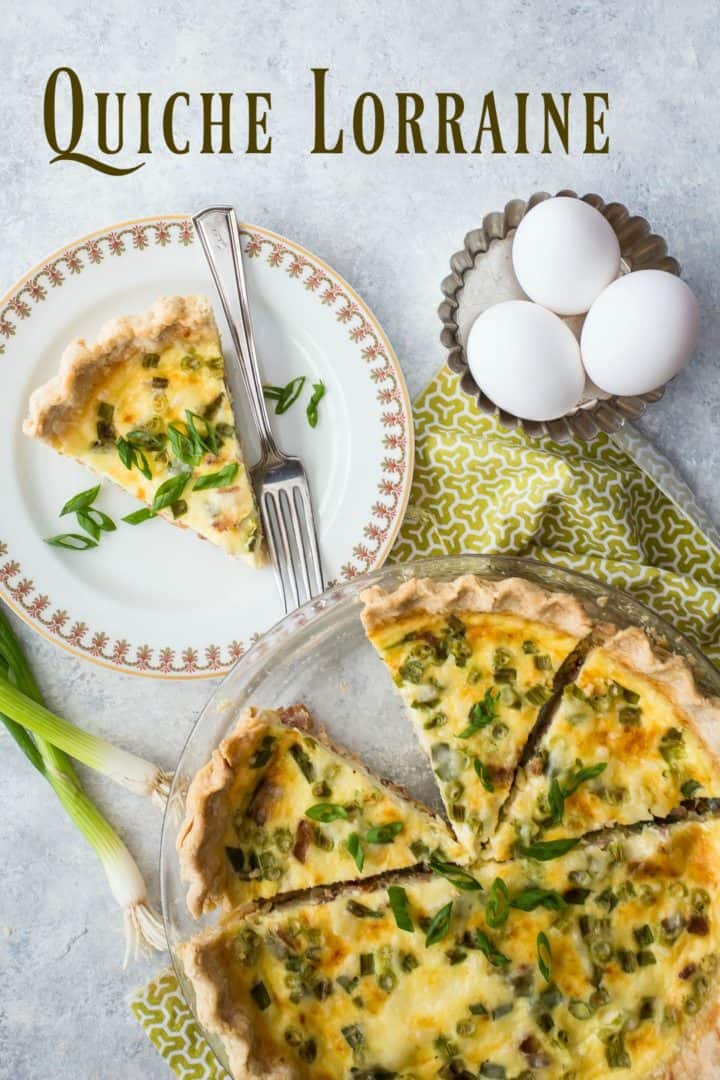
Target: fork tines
(288, 522)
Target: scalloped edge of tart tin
(640, 249)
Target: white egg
(564, 254)
(526, 360)
(640, 331)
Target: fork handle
(219, 235)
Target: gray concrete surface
(387, 223)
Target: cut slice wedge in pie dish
(602, 961)
(631, 740)
(474, 661)
(278, 808)
(147, 407)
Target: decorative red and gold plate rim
(34, 603)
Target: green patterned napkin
(612, 508)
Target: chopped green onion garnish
(644, 935)
(460, 878)
(399, 904)
(556, 802)
(616, 1055)
(72, 541)
(326, 811)
(353, 1035)
(146, 439)
(133, 457)
(81, 501)
(559, 793)
(94, 521)
(202, 432)
(354, 846)
(218, 479)
(303, 762)
(263, 753)
(384, 834)
(544, 955)
(497, 908)
(534, 897)
(284, 396)
(360, 911)
(260, 995)
(367, 963)
(580, 1010)
(183, 445)
(170, 491)
(409, 962)
(439, 925)
(576, 895)
(212, 407)
(482, 942)
(543, 851)
(312, 408)
(138, 516)
(483, 775)
(308, 1051)
(586, 772)
(481, 714)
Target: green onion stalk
(143, 927)
(132, 772)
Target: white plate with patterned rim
(158, 601)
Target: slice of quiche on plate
(602, 960)
(474, 661)
(632, 739)
(147, 406)
(278, 807)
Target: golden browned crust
(203, 865)
(232, 1023)
(674, 678)
(470, 593)
(84, 367)
(202, 859)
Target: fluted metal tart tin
(482, 275)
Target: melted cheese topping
(474, 686)
(621, 722)
(628, 959)
(133, 397)
(270, 843)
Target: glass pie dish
(319, 655)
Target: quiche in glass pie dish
(563, 923)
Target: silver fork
(280, 481)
